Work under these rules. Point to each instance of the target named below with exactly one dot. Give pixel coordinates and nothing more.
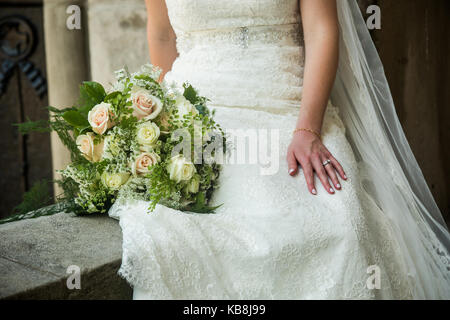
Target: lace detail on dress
(267, 241)
(271, 239)
(240, 53)
(193, 15)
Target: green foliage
(75, 119)
(38, 196)
(119, 103)
(64, 206)
(160, 186)
(200, 205)
(193, 97)
(38, 202)
(58, 124)
(70, 189)
(189, 93)
(91, 93)
(65, 133)
(202, 109)
(147, 82)
(91, 195)
(33, 126)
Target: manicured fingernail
(345, 177)
(331, 190)
(314, 191)
(291, 170)
(338, 186)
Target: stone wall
(35, 255)
(67, 66)
(117, 37)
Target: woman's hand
(307, 150)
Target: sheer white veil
(388, 168)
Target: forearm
(161, 36)
(163, 51)
(320, 71)
(321, 61)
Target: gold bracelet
(308, 130)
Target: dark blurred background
(23, 94)
(412, 42)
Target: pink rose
(100, 118)
(90, 150)
(143, 162)
(145, 105)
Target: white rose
(100, 118)
(184, 107)
(180, 169)
(143, 162)
(145, 105)
(147, 133)
(90, 150)
(113, 181)
(193, 185)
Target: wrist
(311, 125)
(307, 130)
(310, 120)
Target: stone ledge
(35, 254)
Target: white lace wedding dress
(271, 239)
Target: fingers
(331, 171)
(321, 173)
(309, 175)
(292, 163)
(337, 166)
(313, 162)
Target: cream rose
(180, 169)
(193, 185)
(184, 107)
(143, 162)
(145, 105)
(164, 121)
(147, 133)
(113, 181)
(90, 150)
(100, 118)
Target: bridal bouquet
(143, 140)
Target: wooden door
(23, 94)
(414, 48)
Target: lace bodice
(200, 15)
(251, 49)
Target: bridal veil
(388, 168)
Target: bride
(347, 216)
